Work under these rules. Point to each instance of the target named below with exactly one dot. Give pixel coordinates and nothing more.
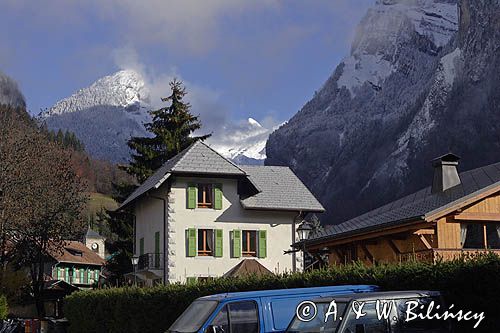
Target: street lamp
(303, 231)
(135, 262)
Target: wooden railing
(434, 255)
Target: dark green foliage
(172, 128)
(4, 308)
(66, 139)
(469, 284)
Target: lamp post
(303, 231)
(135, 261)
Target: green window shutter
(262, 243)
(89, 277)
(141, 246)
(236, 243)
(218, 242)
(56, 271)
(191, 242)
(85, 276)
(191, 280)
(218, 196)
(157, 249)
(191, 196)
(66, 274)
(82, 272)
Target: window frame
(247, 246)
(205, 252)
(205, 188)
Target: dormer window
(205, 196)
(75, 252)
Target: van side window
(243, 317)
(419, 325)
(370, 321)
(221, 321)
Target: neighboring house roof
(92, 234)
(77, 253)
(248, 267)
(278, 187)
(420, 205)
(280, 190)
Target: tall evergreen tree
(171, 128)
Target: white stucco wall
(149, 219)
(232, 216)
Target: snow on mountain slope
(354, 142)
(244, 143)
(105, 115)
(125, 89)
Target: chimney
(445, 173)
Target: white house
(200, 215)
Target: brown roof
(77, 253)
(248, 267)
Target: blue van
(262, 311)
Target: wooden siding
(448, 234)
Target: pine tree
(172, 128)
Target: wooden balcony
(434, 255)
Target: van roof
(344, 289)
(378, 295)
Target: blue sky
(255, 58)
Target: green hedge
(472, 284)
(4, 308)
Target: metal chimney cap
(448, 158)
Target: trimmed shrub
(4, 308)
(471, 284)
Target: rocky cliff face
(10, 93)
(422, 78)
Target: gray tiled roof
(280, 190)
(278, 187)
(416, 205)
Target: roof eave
(286, 209)
(357, 232)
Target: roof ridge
(228, 160)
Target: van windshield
(318, 324)
(193, 317)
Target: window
(249, 243)
(205, 242)
(480, 235)
(243, 317)
(205, 196)
(418, 324)
(370, 321)
(493, 235)
(221, 321)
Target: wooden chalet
(459, 214)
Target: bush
(468, 284)
(4, 309)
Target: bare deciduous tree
(42, 197)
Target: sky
(238, 59)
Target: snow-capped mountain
(421, 79)
(10, 93)
(105, 114)
(114, 108)
(244, 143)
